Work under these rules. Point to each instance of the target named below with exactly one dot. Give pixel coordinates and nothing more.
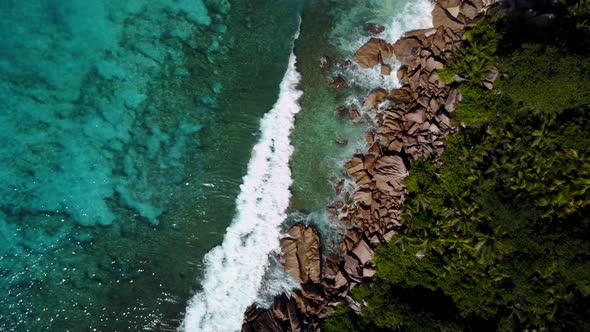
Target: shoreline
(410, 124)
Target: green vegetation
(498, 238)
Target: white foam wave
(235, 269)
(414, 15)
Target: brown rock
(478, 4)
(340, 280)
(294, 321)
(419, 34)
(369, 162)
(395, 146)
(354, 115)
(338, 82)
(469, 10)
(369, 272)
(302, 254)
(363, 252)
(418, 116)
(387, 236)
(374, 29)
(341, 141)
(339, 187)
(279, 308)
(441, 17)
(354, 165)
(325, 62)
(370, 137)
(400, 96)
(342, 111)
(266, 322)
(438, 40)
(385, 69)
(351, 266)
(374, 98)
(433, 64)
(312, 292)
(452, 100)
(373, 52)
(434, 129)
(361, 178)
(448, 3)
(444, 119)
(407, 51)
(402, 74)
(389, 169)
(363, 197)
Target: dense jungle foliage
(498, 237)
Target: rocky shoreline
(410, 123)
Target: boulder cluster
(410, 123)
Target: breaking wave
(236, 269)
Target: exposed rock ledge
(410, 127)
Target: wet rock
(294, 320)
(341, 141)
(385, 69)
(374, 29)
(325, 62)
(354, 115)
(266, 322)
(374, 98)
(301, 252)
(338, 82)
(342, 111)
(354, 165)
(344, 64)
(373, 53)
(402, 74)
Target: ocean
(152, 152)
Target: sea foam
(412, 16)
(236, 269)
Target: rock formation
(410, 127)
(373, 53)
(301, 252)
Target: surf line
(235, 269)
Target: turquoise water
(126, 150)
(124, 133)
(336, 29)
